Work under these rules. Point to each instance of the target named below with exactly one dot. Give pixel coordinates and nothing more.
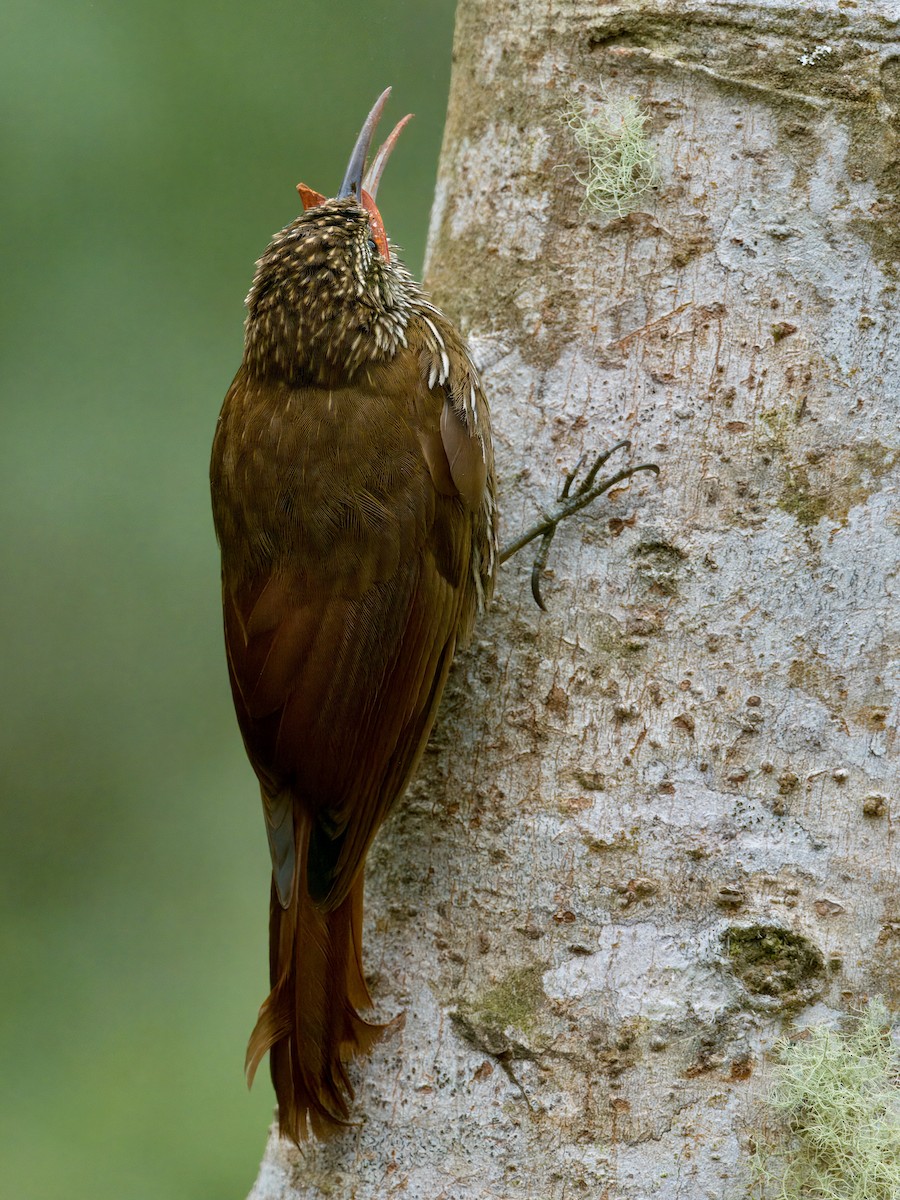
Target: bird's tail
(309, 1022)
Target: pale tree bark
(654, 829)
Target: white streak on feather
(442, 350)
(434, 329)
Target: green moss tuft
(782, 966)
(502, 1019)
(514, 1000)
(621, 159)
(838, 1100)
(806, 503)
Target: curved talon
(540, 562)
(567, 504)
(572, 505)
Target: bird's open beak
(360, 184)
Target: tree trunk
(654, 829)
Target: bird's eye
(372, 245)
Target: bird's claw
(568, 504)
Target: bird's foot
(570, 502)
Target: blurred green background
(149, 151)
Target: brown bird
(353, 497)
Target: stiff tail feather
(309, 1023)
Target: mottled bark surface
(655, 828)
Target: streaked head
(330, 289)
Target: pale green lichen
(838, 1101)
(621, 159)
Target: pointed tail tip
(303, 1117)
